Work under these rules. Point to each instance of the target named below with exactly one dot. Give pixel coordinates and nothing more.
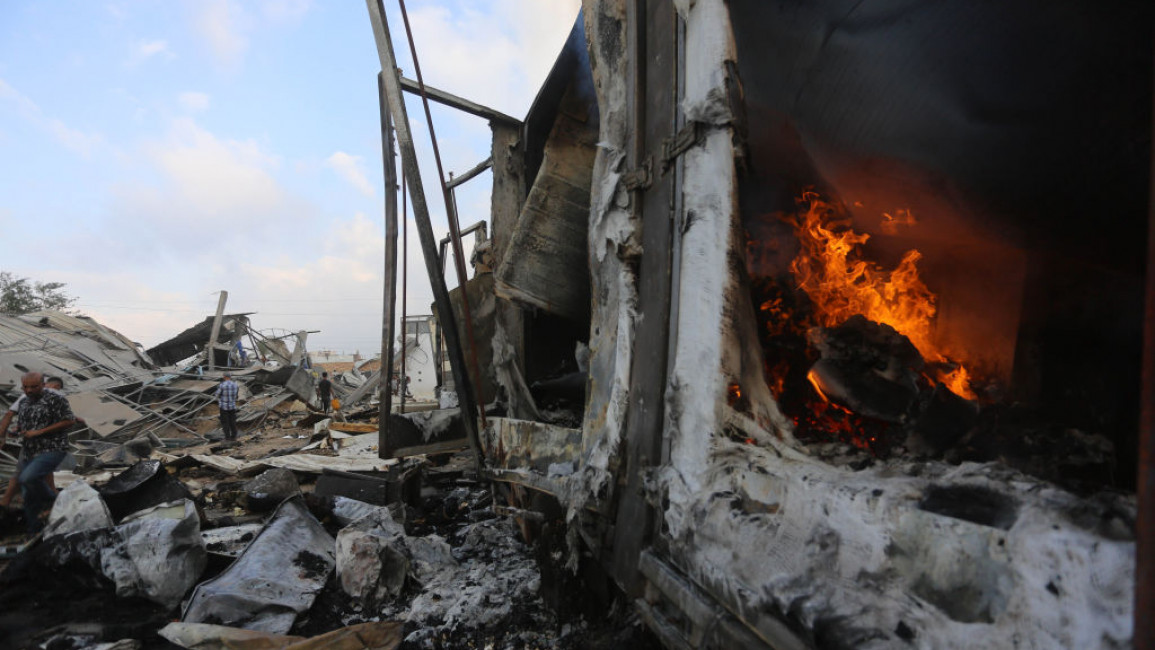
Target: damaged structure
(803, 317)
(791, 326)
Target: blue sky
(155, 152)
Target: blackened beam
(388, 154)
(1144, 630)
(471, 174)
(460, 103)
(392, 84)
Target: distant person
(43, 419)
(325, 391)
(227, 398)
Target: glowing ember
(841, 284)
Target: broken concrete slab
(270, 488)
(77, 507)
(160, 554)
(372, 562)
(276, 578)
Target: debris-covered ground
(129, 552)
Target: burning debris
(765, 423)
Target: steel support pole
(392, 82)
(388, 156)
(212, 349)
(450, 212)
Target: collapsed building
(806, 317)
(792, 327)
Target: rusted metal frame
(453, 101)
(451, 213)
(652, 30)
(136, 406)
(388, 155)
(480, 225)
(471, 174)
(1144, 628)
(424, 224)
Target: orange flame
(829, 269)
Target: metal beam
(471, 174)
(212, 348)
(461, 104)
(392, 83)
(384, 395)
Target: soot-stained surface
(489, 599)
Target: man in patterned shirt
(43, 419)
(227, 397)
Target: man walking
(43, 418)
(227, 398)
(325, 391)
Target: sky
(155, 152)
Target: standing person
(51, 385)
(43, 418)
(325, 391)
(227, 397)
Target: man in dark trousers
(325, 391)
(44, 418)
(227, 397)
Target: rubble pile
(289, 535)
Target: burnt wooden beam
(460, 103)
(392, 84)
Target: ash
(488, 597)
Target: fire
(830, 270)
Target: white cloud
(216, 199)
(193, 101)
(349, 167)
(507, 59)
(220, 23)
(73, 139)
(146, 49)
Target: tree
(21, 295)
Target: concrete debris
(160, 554)
(276, 578)
(372, 562)
(157, 554)
(269, 489)
(78, 507)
